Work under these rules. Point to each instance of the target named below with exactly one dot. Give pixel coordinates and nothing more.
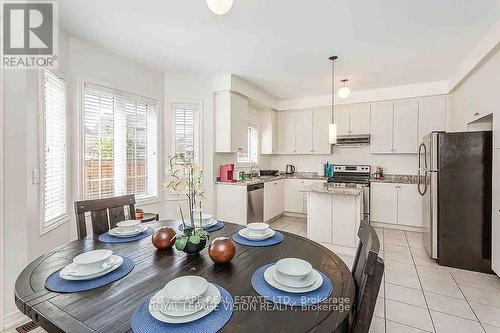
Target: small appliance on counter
(328, 170)
(290, 169)
(267, 173)
(226, 173)
(379, 174)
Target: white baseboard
(15, 319)
(301, 215)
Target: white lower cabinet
(295, 199)
(273, 199)
(396, 204)
(232, 203)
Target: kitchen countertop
(393, 178)
(330, 189)
(265, 179)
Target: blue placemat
(144, 322)
(55, 283)
(276, 239)
(219, 225)
(282, 297)
(107, 238)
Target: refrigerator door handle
(421, 190)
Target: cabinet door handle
(476, 114)
(240, 148)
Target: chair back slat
(367, 271)
(116, 214)
(104, 213)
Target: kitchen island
(333, 216)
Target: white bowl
(185, 289)
(205, 218)
(257, 228)
(92, 259)
(128, 225)
(293, 269)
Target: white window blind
(186, 130)
(55, 176)
(253, 142)
(121, 140)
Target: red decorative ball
(221, 250)
(164, 238)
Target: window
(121, 140)
(54, 160)
(251, 156)
(186, 130)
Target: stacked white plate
(128, 228)
(257, 231)
(293, 275)
(91, 265)
(206, 220)
(184, 300)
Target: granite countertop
(326, 188)
(265, 179)
(393, 178)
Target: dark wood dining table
(110, 308)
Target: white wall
(479, 92)
(396, 164)
(91, 64)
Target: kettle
(290, 169)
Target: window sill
(45, 228)
(148, 201)
(246, 165)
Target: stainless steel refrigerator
(455, 182)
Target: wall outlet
(35, 176)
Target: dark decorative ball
(221, 250)
(164, 238)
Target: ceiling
(283, 45)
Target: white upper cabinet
(405, 137)
(360, 119)
(431, 115)
(381, 127)
(231, 117)
(321, 120)
(286, 132)
(304, 132)
(269, 132)
(342, 119)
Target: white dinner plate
(307, 281)
(268, 276)
(213, 293)
(210, 223)
(81, 276)
(245, 234)
(124, 234)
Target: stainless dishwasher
(255, 200)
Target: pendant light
(332, 128)
(220, 7)
(344, 92)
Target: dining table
(109, 308)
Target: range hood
(355, 140)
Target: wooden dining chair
(104, 213)
(367, 270)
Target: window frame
(250, 163)
(194, 102)
(45, 226)
(81, 151)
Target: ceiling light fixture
(344, 92)
(332, 128)
(220, 7)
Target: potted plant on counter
(186, 178)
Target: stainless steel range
(354, 176)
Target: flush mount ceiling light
(332, 128)
(220, 7)
(344, 92)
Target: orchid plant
(186, 178)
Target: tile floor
(417, 295)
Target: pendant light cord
(332, 109)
